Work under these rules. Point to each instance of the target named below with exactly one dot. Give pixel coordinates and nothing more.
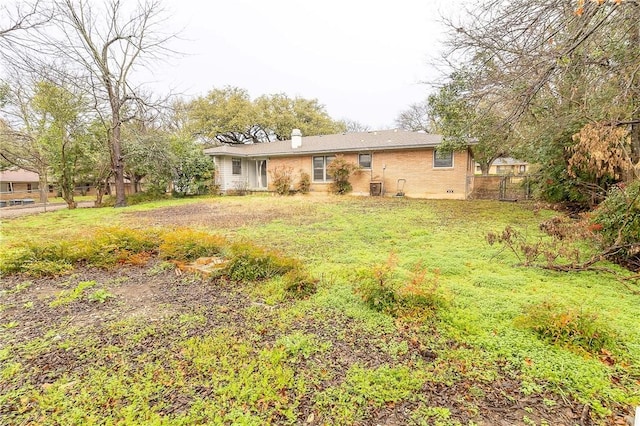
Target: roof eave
(322, 151)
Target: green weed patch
(104, 247)
(189, 244)
(341, 334)
(366, 389)
(67, 296)
(384, 289)
(573, 328)
(249, 262)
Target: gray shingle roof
(343, 142)
(507, 161)
(18, 175)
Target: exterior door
(261, 174)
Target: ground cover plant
(465, 334)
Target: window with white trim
(6, 186)
(364, 161)
(442, 159)
(236, 166)
(320, 163)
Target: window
(236, 166)
(364, 161)
(442, 159)
(523, 168)
(320, 164)
(29, 188)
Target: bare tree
(99, 47)
(22, 17)
(109, 50)
(415, 118)
(578, 54)
(354, 126)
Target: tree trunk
(135, 181)
(635, 91)
(100, 190)
(116, 158)
(43, 186)
(67, 188)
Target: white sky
(363, 60)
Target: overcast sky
(364, 61)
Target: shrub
(13, 259)
(617, 221)
(575, 329)
(250, 263)
(240, 188)
(47, 268)
(111, 246)
(188, 244)
(304, 184)
(383, 289)
(420, 295)
(375, 286)
(282, 179)
(134, 240)
(341, 170)
(299, 284)
(106, 247)
(152, 194)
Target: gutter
(323, 151)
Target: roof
(18, 175)
(507, 161)
(343, 142)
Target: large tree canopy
(546, 69)
(98, 47)
(45, 131)
(229, 115)
(461, 119)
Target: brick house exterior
(389, 160)
(18, 184)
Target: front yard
(141, 342)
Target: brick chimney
(296, 138)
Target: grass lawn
(143, 343)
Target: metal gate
(504, 188)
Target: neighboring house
(18, 184)
(390, 161)
(506, 166)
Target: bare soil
(145, 293)
(228, 215)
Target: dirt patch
(223, 215)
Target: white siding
(225, 177)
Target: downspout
(384, 167)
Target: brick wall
(415, 166)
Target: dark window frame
(442, 162)
(236, 166)
(368, 164)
